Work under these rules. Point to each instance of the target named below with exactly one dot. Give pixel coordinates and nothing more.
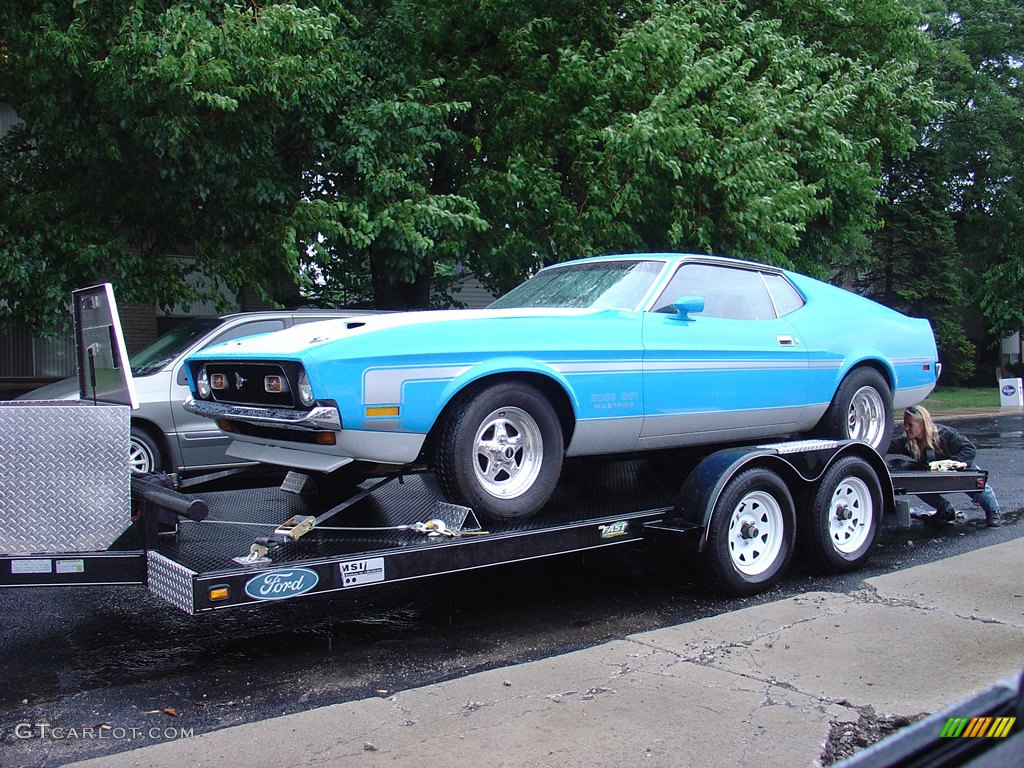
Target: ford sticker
(279, 585)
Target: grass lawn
(945, 399)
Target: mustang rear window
(598, 285)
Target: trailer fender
(800, 464)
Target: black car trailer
(741, 511)
(72, 514)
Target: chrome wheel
(850, 514)
(499, 451)
(140, 457)
(508, 452)
(866, 420)
(756, 533)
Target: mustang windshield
(597, 285)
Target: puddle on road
(992, 432)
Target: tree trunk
(390, 292)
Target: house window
(24, 356)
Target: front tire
(751, 533)
(839, 521)
(144, 455)
(499, 451)
(861, 410)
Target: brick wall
(139, 324)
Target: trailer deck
(381, 538)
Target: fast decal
(613, 530)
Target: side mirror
(685, 306)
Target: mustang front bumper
(319, 418)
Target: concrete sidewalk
(757, 687)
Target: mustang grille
(245, 383)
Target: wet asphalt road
(89, 657)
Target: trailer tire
(861, 410)
(751, 533)
(499, 451)
(838, 523)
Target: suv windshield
(164, 349)
(597, 285)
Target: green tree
(916, 268)
(981, 50)
(883, 41)
(364, 143)
(953, 217)
(654, 125)
(257, 137)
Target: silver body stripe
(383, 386)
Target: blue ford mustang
(598, 356)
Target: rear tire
(861, 410)
(499, 451)
(750, 534)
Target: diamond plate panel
(64, 479)
(170, 581)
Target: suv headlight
(203, 383)
(305, 391)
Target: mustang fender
(506, 367)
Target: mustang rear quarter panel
(842, 330)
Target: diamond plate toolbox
(65, 485)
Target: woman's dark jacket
(951, 445)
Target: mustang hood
(309, 335)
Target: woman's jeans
(985, 499)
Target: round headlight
(203, 383)
(305, 391)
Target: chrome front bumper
(318, 418)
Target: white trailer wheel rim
(756, 533)
(508, 452)
(850, 514)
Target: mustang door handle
(786, 341)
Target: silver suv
(166, 437)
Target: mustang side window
(785, 297)
(732, 294)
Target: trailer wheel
(500, 451)
(751, 533)
(861, 410)
(143, 453)
(839, 521)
